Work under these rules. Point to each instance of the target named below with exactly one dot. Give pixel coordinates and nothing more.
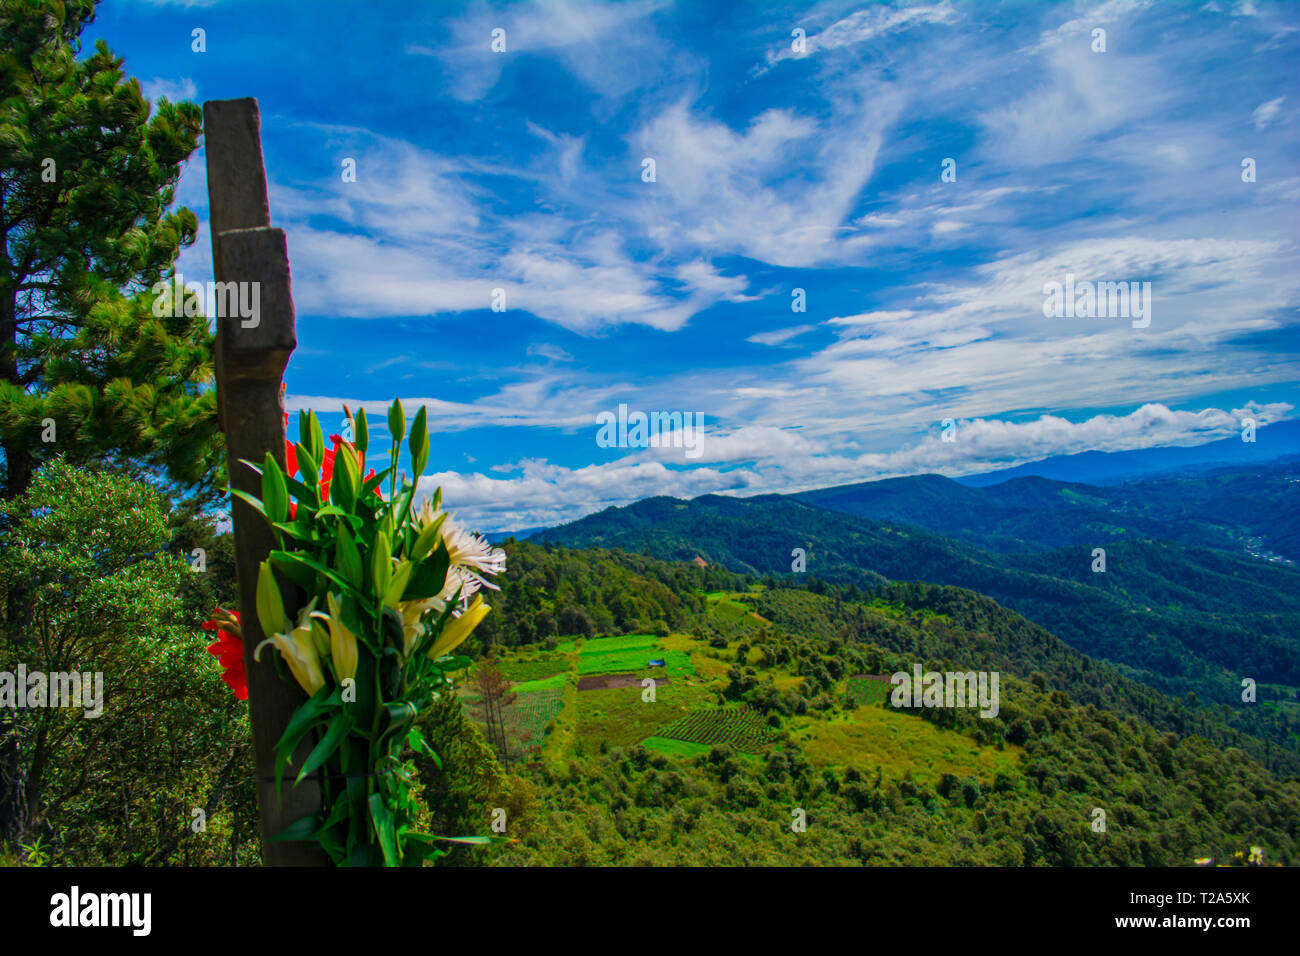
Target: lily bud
(398, 583)
(459, 628)
(343, 643)
(270, 605)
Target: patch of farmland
(728, 609)
(597, 645)
(621, 716)
(527, 716)
(630, 653)
(531, 670)
(742, 727)
(677, 663)
(607, 681)
(546, 683)
(898, 743)
(865, 689)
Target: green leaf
(372, 483)
(317, 443)
(428, 537)
(393, 629)
(300, 724)
(307, 714)
(275, 495)
(302, 830)
(429, 578)
(339, 728)
(308, 466)
(331, 844)
(296, 572)
(384, 828)
(282, 559)
(420, 744)
(337, 815)
(399, 714)
(298, 530)
(249, 500)
(300, 491)
(348, 558)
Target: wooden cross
(251, 355)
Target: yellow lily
(412, 612)
(299, 651)
(459, 628)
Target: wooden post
(251, 355)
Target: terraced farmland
(742, 727)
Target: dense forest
(1089, 739)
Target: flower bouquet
(389, 590)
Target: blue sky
(775, 170)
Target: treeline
(550, 592)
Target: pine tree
(87, 177)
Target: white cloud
(174, 90)
(547, 494)
(610, 48)
(1265, 113)
(778, 336)
(547, 351)
(861, 26)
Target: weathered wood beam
(251, 355)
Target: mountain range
(1196, 588)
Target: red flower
(327, 466)
(290, 460)
(229, 649)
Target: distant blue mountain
(1272, 443)
(496, 537)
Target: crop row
(742, 727)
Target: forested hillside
(1181, 619)
(619, 781)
